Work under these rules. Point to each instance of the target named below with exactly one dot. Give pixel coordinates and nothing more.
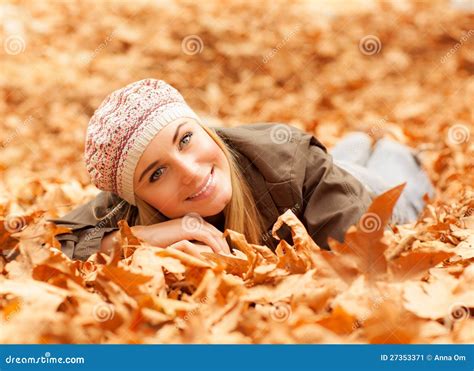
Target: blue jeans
(385, 166)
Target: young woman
(180, 184)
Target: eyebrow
(154, 163)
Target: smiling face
(183, 170)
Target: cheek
(213, 153)
(163, 198)
(208, 150)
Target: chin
(212, 210)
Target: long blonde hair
(241, 214)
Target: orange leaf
(130, 282)
(413, 264)
(363, 244)
(14, 224)
(128, 240)
(231, 265)
(52, 230)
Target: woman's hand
(172, 231)
(194, 249)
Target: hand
(194, 249)
(167, 233)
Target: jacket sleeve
(89, 224)
(333, 200)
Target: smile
(206, 190)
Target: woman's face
(183, 170)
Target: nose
(189, 170)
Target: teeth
(205, 187)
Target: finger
(213, 230)
(210, 241)
(211, 227)
(223, 243)
(186, 247)
(203, 248)
(218, 236)
(196, 250)
(204, 234)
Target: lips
(204, 186)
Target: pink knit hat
(123, 126)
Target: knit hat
(122, 127)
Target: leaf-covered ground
(403, 69)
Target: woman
(180, 184)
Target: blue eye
(186, 138)
(156, 175)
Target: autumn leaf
(14, 224)
(231, 265)
(52, 230)
(129, 241)
(414, 264)
(130, 282)
(363, 243)
(56, 268)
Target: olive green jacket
(285, 167)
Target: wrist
(139, 231)
(106, 244)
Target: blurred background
(401, 68)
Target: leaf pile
(298, 63)
(363, 290)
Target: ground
(402, 69)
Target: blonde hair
(241, 214)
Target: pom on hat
(122, 127)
